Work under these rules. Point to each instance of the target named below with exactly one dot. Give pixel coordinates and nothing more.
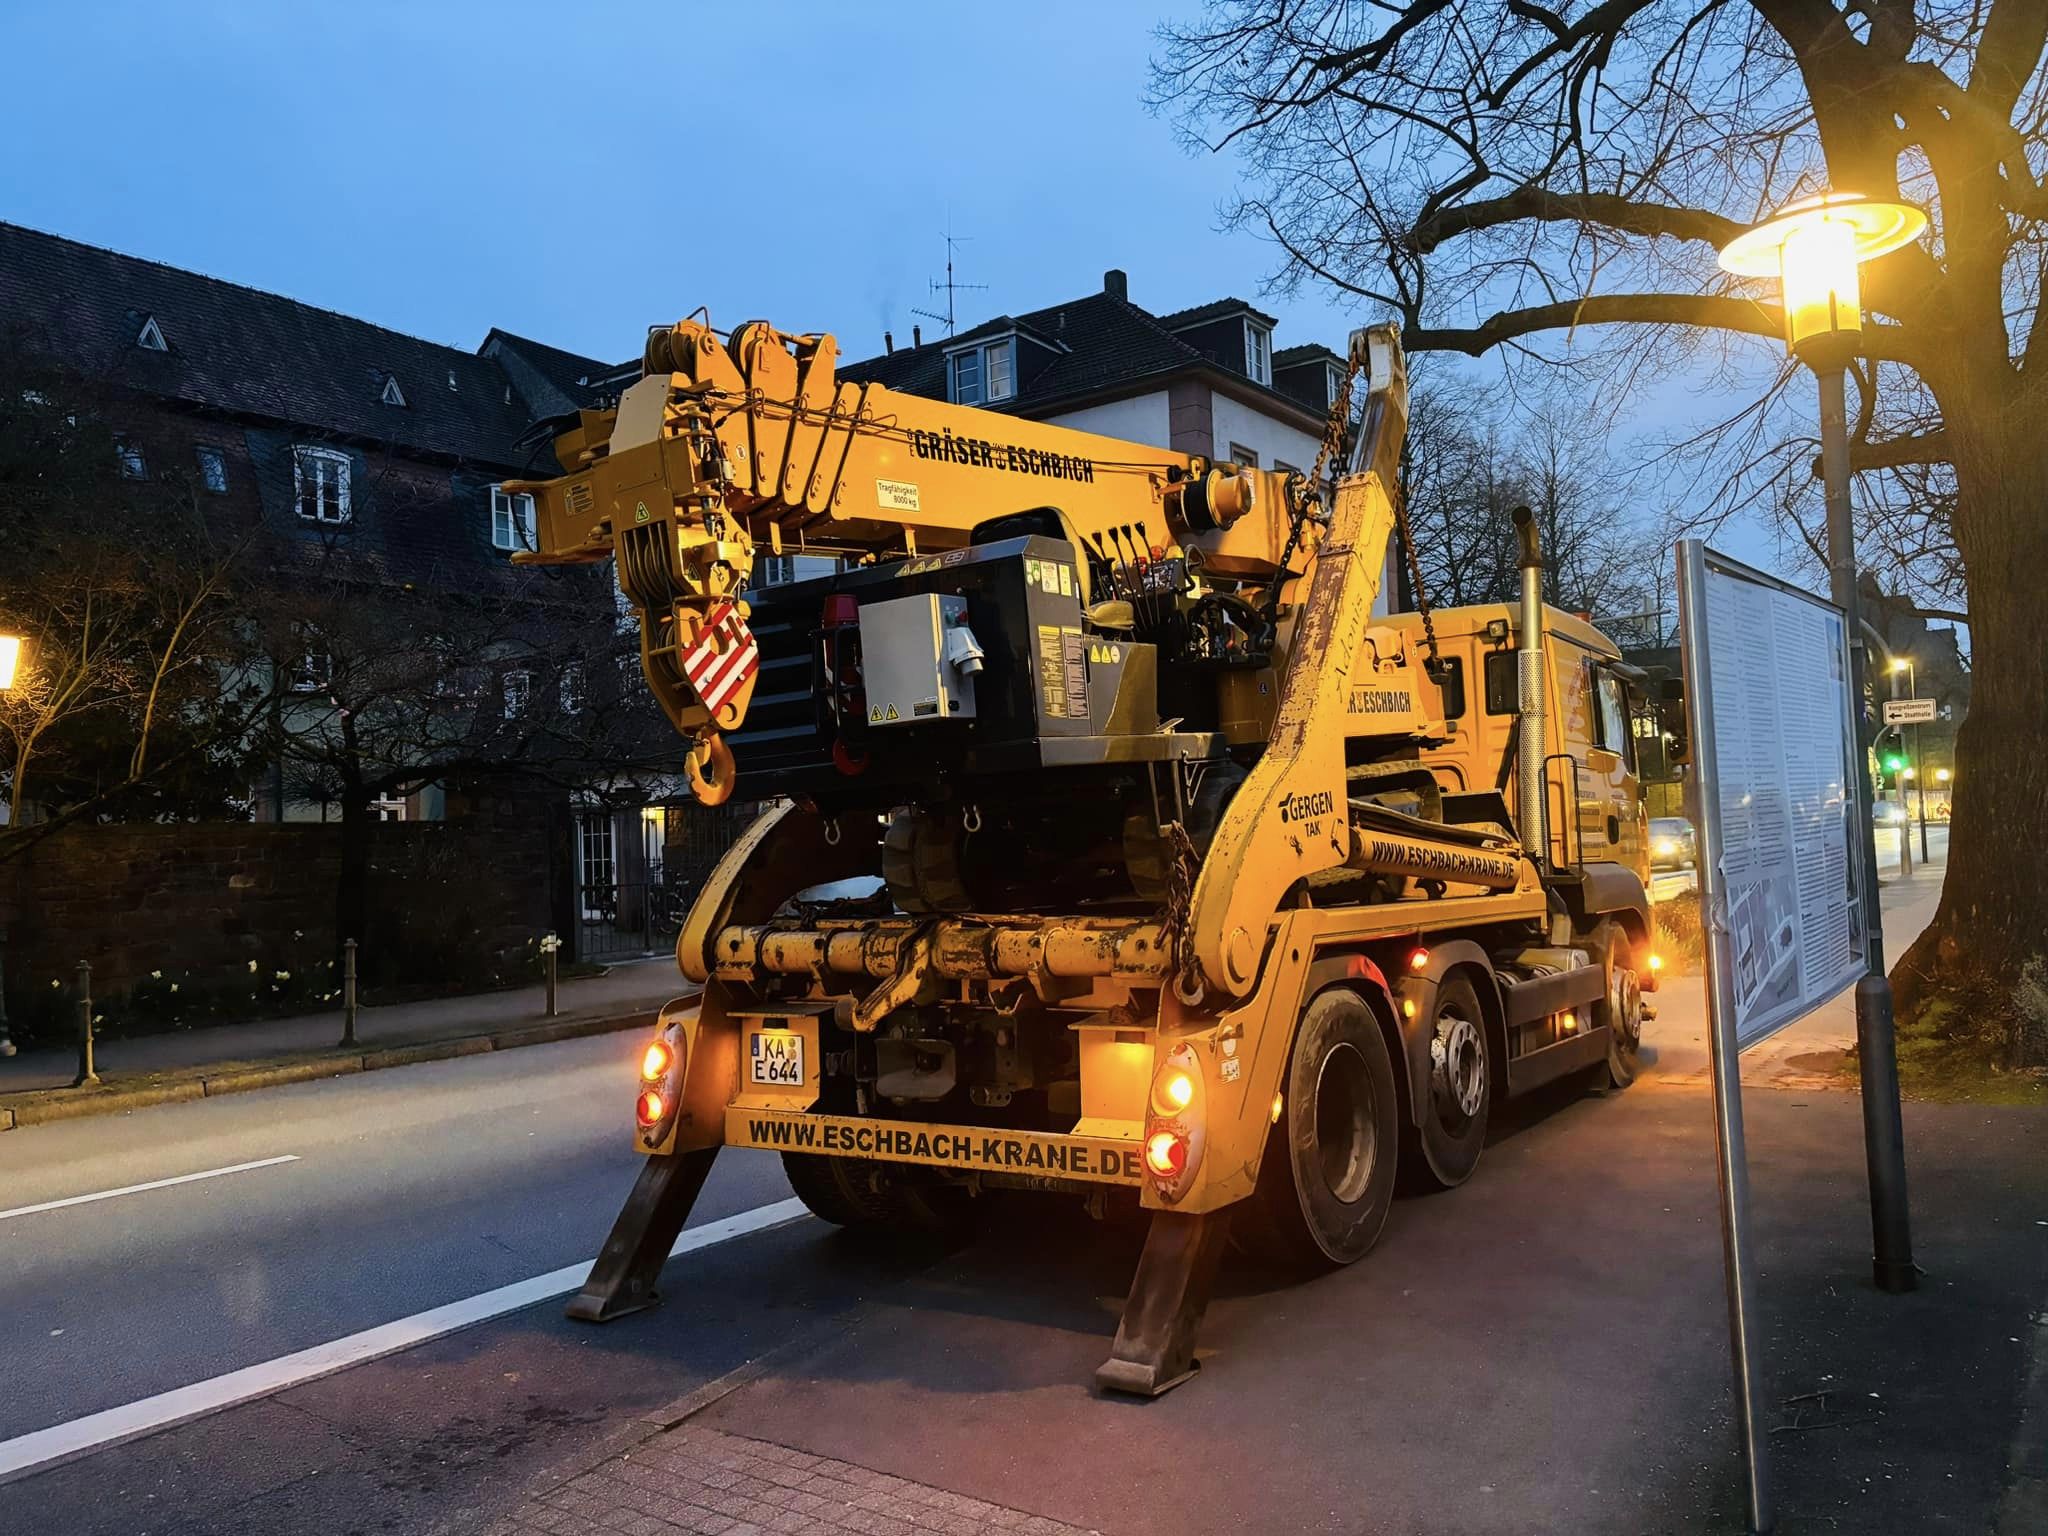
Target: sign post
(1775, 794)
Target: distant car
(1887, 813)
(1672, 843)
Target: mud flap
(622, 1279)
(1155, 1340)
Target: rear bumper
(961, 1148)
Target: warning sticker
(1074, 656)
(896, 496)
(1066, 581)
(1052, 677)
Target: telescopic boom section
(724, 445)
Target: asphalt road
(1543, 1349)
(411, 1188)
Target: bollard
(348, 992)
(87, 1078)
(6, 1042)
(549, 948)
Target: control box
(919, 658)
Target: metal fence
(638, 871)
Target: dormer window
(151, 337)
(1336, 389)
(983, 374)
(392, 394)
(1258, 352)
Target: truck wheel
(1620, 1009)
(840, 1190)
(1452, 1132)
(1326, 1181)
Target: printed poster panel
(1784, 800)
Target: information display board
(1777, 795)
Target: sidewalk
(184, 1064)
(1802, 1055)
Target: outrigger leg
(622, 1279)
(1155, 1340)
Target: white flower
(284, 975)
(252, 967)
(156, 975)
(58, 984)
(174, 986)
(99, 1018)
(297, 934)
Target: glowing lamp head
(656, 1061)
(1813, 247)
(1899, 664)
(10, 660)
(650, 1107)
(1941, 775)
(1166, 1154)
(1656, 962)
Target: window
(1452, 684)
(388, 807)
(392, 394)
(213, 468)
(1258, 351)
(518, 694)
(1335, 388)
(1240, 454)
(133, 465)
(1611, 713)
(313, 672)
(151, 337)
(1285, 468)
(572, 688)
(777, 570)
(512, 522)
(983, 375)
(1503, 685)
(320, 484)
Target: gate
(639, 869)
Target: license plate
(775, 1057)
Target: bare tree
(1499, 171)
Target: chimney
(917, 335)
(1116, 285)
(888, 343)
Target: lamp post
(11, 649)
(1897, 665)
(1918, 774)
(1813, 247)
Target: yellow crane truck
(1186, 876)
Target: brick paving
(693, 1481)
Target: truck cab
(1592, 779)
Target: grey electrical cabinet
(919, 659)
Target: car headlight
(1664, 847)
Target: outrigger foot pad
(622, 1279)
(1155, 1340)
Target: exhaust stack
(1532, 807)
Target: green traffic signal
(1894, 764)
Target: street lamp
(1814, 248)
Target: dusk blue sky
(577, 172)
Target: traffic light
(1893, 763)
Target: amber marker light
(656, 1061)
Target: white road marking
(131, 1421)
(136, 1189)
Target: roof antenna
(948, 287)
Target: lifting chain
(1332, 447)
(1184, 863)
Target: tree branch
(1602, 208)
(1712, 311)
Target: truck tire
(1620, 1009)
(1326, 1181)
(839, 1190)
(1452, 1129)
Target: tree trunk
(352, 886)
(1985, 955)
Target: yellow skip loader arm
(724, 446)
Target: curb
(117, 1100)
